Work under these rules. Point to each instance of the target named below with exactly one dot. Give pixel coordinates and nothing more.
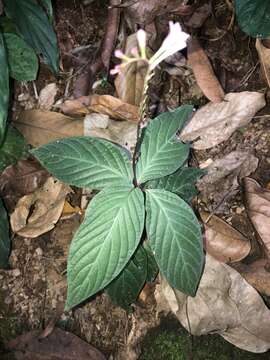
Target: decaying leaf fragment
(214, 123)
(222, 241)
(47, 96)
(258, 207)
(203, 72)
(38, 213)
(264, 56)
(225, 304)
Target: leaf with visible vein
(4, 237)
(175, 237)
(86, 162)
(125, 289)
(182, 182)
(105, 241)
(161, 153)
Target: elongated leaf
(4, 89)
(48, 6)
(85, 161)
(253, 17)
(125, 289)
(13, 148)
(34, 26)
(161, 153)
(182, 182)
(22, 60)
(105, 241)
(152, 267)
(4, 237)
(175, 237)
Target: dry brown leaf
(59, 345)
(214, 123)
(40, 127)
(258, 207)
(199, 16)
(203, 72)
(264, 56)
(130, 81)
(104, 104)
(47, 96)
(21, 179)
(69, 210)
(225, 304)
(256, 274)
(37, 213)
(222, 241)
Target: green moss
(172, 342)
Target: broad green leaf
(152, 267)
(12, 149)
(4, 88)
(105, 241)
(33, 24)
(48, 6)
(182, 182)
(4, 237)
(125, 289)
(161, 153)
(254, 17)
(22, 60)
(86, 162)
(175, 237)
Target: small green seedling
(151, 191)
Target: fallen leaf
(40, 127)
(225, 304)
(223, 176)
(129, 82)
(69, 210)
(122, 132)
(199, 16)
(264, 56)
(21, 179)
(222, 241)
(257, 274)
(203, 72)
(104, 104)
(37, 213)
(258, 207)
(47, 96)
(58, 345)
(215, 123)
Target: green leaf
(34, 26)
(48, 6)
(254, 17)
(125, 289)
(161, 153)
(4, 88)
(152, 266)
(182, 182)
(174, 235)
(13, 148)
(86, 162)
(22, 60)
(105, 241)
(4, 237)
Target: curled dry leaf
(121, 132)
(58, 345)
(130, 81)
(203, 72)
(214, 123)
(40, 127)
(47, 96)
(225, 304)
(21, 179)
(223, 175)
(104, 104)
(222, 241)
(257, 274)
(264, 56)
(258, 207)
(37, 213)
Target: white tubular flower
(141, 38)
(175, 41)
